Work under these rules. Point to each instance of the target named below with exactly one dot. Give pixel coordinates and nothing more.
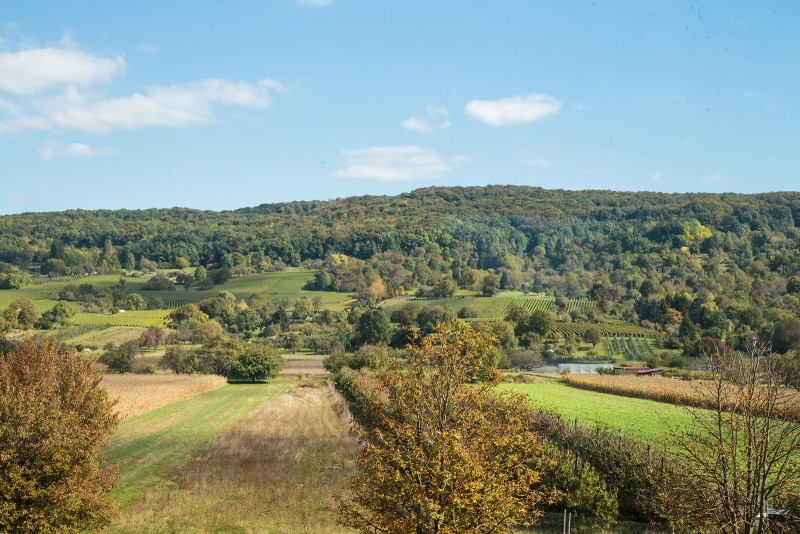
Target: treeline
(693, 266)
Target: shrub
(258, 362)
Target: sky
(222, 105)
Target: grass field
(494, 307)
(242, 458)
(267, 286)
(646, 420)
(115, 334)
(140, 318)
(149, 448)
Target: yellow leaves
(441, 454)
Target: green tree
(119, 358)
(540, 322)
(373, 328)
(490, 285)
(21, 314)
(14, 279)
(256, 363)
(593, 335)
(54, 418)
(786, 336)
(442, 454)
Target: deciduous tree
(54, 417)
(443, 454)
(740, 457)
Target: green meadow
(645, 420)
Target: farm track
(279, 468)
(150, 446)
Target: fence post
(569, 524)
(565, 521)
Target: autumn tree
(54, 417)
(442, 452)
(740, 457)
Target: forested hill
(479, 224)
(722, 266)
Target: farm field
(137, 394)
(494, 307)
(139, 318)
(114, 334)
(660, 389)
(307, 364)
(267, 286)
(646, 420)
(150, 446)
(242, 458)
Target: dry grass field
(278, 470)
(681, 392)
(304, 364)
(137, 394)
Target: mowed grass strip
(279, 469)
(149, 448)
(646, 420)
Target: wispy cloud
(435, 118)
(17, 201)
(656, 176)
(147, 48)
(47, 89)
(393, 164)
(537, 162)
(32, 71)
(51, 150)
(714, 178)
(513, 110)
(316, 3)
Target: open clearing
(242, 458)
(137, 394)
(646, 420)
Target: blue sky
(220, 105)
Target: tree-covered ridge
(479, 224)
(722, 266)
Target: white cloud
(656, 176)
(393, 164)
(417, 124)
(53, 149)
(32, 71)
(316, 3)
(513, 110)
(57, 88)
(172, 106)
(147, 48)
(435, 119)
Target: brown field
(115, 334)
(305, 364)
(279, 469)
(658, 388)
(136, 394)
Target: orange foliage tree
(54, 416)
(443, 451)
